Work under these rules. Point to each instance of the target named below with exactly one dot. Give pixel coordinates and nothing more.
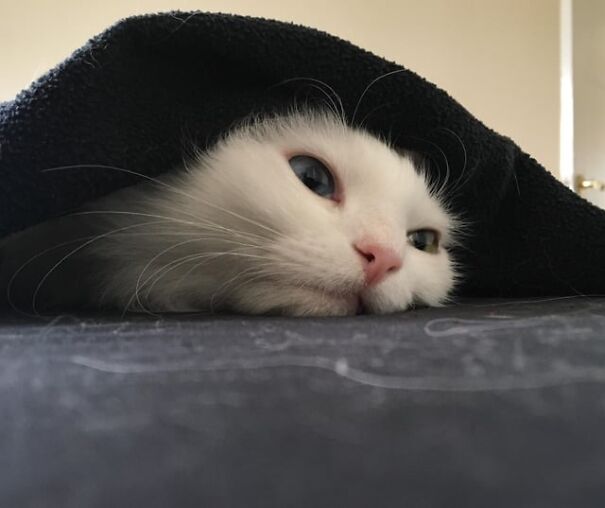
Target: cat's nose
(377, 260)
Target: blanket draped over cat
(139, 95)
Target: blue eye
(314, 174)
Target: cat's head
(303, 215)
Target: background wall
(589, 92)
(499, 58)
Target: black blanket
(134, 96)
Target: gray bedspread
(486, 403)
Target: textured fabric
(484, 405)
(138, 95)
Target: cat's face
(304, 216)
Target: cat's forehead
(370, 175)
(357, 158)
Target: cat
(296, 214)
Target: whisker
(134, 214)
(157, 181)
(198, 225)
(223, 287)
(42, 253)
(207, 256)
(136, 294)
(329, 102)
(139, 286)
(257, 272)
(208, 224)
(367, 88)
(64, 258)
(322, 83)
(167, 186)
(463, 179)
(372, 111)
(443, 183)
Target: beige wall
(499, 58)
(589, 92)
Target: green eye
(426, 240)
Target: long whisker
(67, 256)
(223, 287)
(208, 224)
(322, 83)
(443, 183)
(368, 115)
(257, 272)
(463, 179)
(119, 169)
(201, 225)
(134, 214)
(10, 283)
(367, 88)
(140, 285)
(329, 102)
(167, 186)
(179, 261)
(46, 251)
(207, 256)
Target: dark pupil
(424, 239)
(421, 240)
(314, 174)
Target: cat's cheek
(433, 279)
(392, 295)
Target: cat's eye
(426, 240)
(314, 174)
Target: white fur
(238, 231)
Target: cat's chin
(309, 301)
(298, 301)
(331, 304)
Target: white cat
(297, 214)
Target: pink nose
(377, 261)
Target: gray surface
(482, 404)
